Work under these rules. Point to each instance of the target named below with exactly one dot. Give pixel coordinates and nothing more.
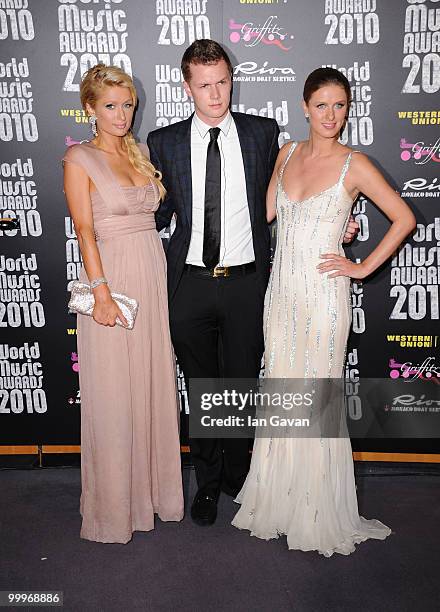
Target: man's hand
(351, 230)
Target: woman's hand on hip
(338, 265)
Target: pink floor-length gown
(130, 452)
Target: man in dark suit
(216, 167)
(218, 255)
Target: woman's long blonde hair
(94, 80)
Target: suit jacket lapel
(183, 165)
(248, 151)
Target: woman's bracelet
(98, 281)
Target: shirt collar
(203, 128)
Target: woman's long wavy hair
(94, 80)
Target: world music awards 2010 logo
(269, 33)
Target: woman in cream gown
(305, 487)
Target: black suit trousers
(217, 330)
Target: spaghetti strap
(291, 150)
(345, 168)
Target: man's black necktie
(212, 226)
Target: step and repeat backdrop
(390, 52)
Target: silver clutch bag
(82, 301)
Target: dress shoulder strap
(96, 165)
(345, 167)
(291, 150)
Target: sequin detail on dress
(301, 487)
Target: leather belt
(221, 271)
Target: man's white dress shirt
(236, 234)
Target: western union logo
(414, 341)
(421, 117)
(77, 114)
(72, 112)
(71, 331)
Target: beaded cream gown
(130, 450)
(304, 487)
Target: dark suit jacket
(170, 152)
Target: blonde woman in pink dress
(130, 452)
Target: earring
(92, 120)
(307, 115)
